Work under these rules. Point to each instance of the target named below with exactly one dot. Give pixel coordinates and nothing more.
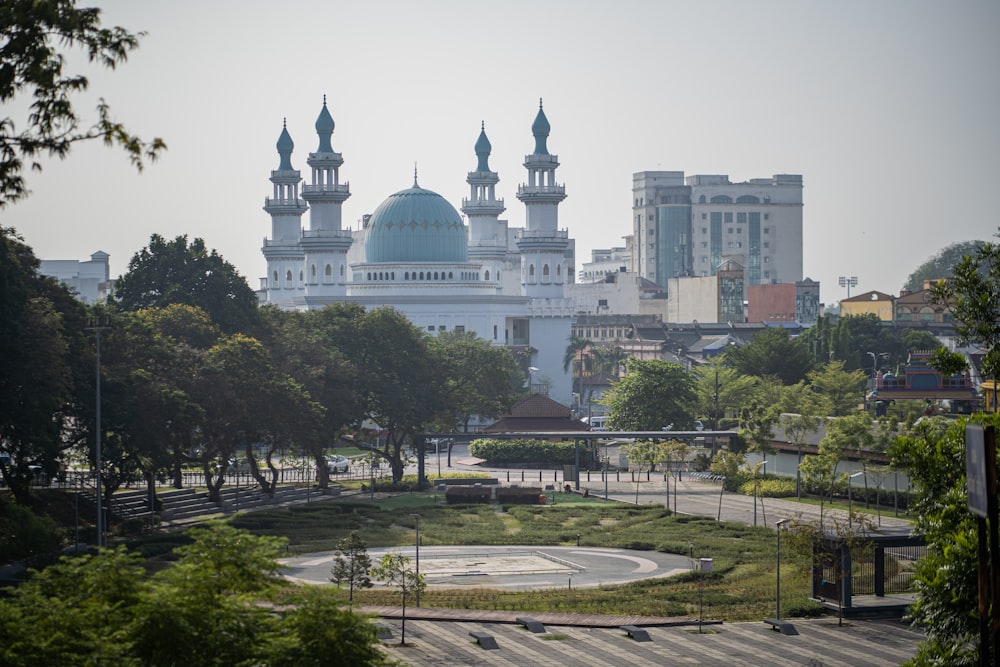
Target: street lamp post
(98, 324)
(844, 281)
(531, 378)
(777, 580)
(850, 500)
(417, 561)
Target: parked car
(338, 464)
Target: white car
(338, 464)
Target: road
(687, 496)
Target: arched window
(558, 269)
(275, 278)
(435, 275)
(328, 271)
(421, 275)
(288, 277)
(312, 273)
(450, 275)
(487, 275)
(747, 199)
(341, 270)
(302, 277)
(722, 199)
(545, 272)
(392, 275)
(369, 276)
(531, 270)
(406, 276)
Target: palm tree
(575, 353)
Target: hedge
(540, 453)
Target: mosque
(416, 254)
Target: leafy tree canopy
(176, 272)
(772, 352)
(32, 35)
(973, 296)
(653, 394)
(941, 265)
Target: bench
(784, 627)
(636, 633)
(531, 624)
(485, 640)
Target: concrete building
(89, 279)
(685, 227)
(415, 253)
(872, 302)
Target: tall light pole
(777, 580)
(531, 378)
(417, 518)
(850, 501)
(844, 281)
(97, 325)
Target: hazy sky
(888, 109)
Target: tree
(31, 34)
(720, 389)
(772, 352)
(653, 395)
(317, 632)
(351, 565)
(403, 388)
(44, 358)
(313, 348)
(174, 272)
(841, 391)
(205, 610)
(843, 434)
(644, 454)
(941, 265)
(394, 571)
(933, 455)
(480, 379)
(973, 297)
(797, 429)
(576, 352)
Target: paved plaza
(820, 643)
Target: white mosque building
(415, 254)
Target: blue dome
(416, 225)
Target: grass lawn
(742, 587)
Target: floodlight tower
(848, 283)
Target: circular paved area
(511, 567)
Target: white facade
(415, 254)
(89, 279)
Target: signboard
(975, 468)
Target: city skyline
(884, 108)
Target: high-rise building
(691, 226)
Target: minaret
(325, 243)
(487, 239)
(282, 251)
(542, 245)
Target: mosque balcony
(286, 175)
(332, 156)
(288, 205)
(327, 234)
(535, 160)
(327, 188)
(540, 190)
(544, 234)
(483, 206)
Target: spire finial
(324, 99)
(415, 175)
(539, 102)
(284, 123)
(482, 125)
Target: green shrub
(518, 496)
(467, 494)
(530, 452)
(770, 488)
